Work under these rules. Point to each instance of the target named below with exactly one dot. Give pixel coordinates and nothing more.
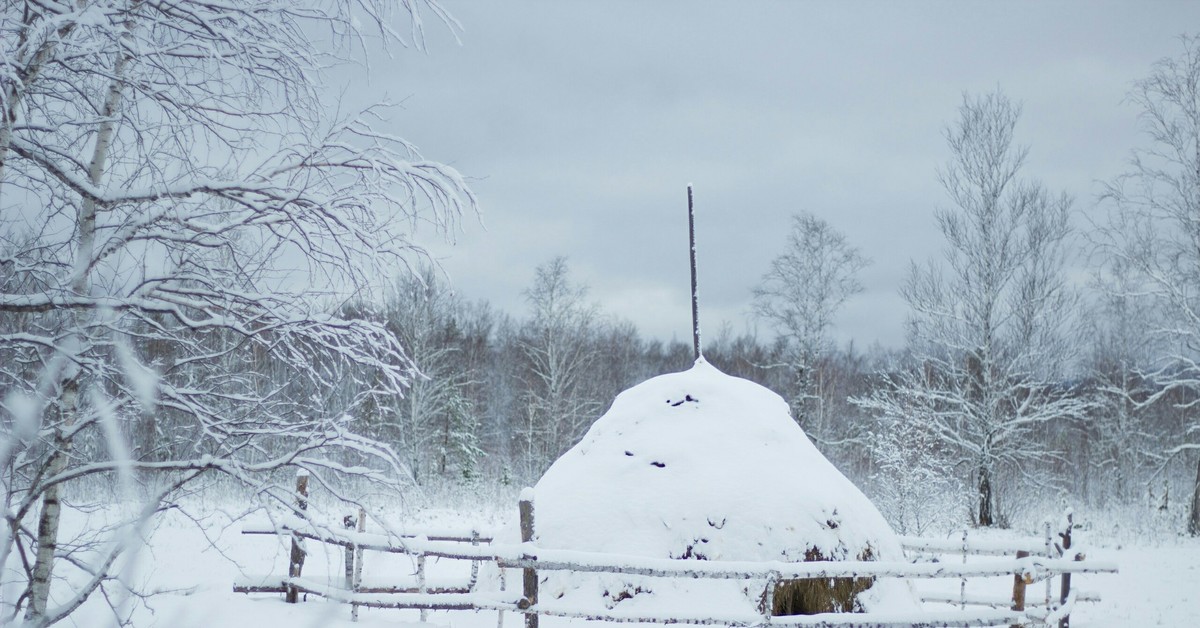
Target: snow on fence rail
(1026, 568)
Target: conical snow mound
(705, 466)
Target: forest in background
(190, 297)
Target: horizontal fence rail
(526, 555)
(977, 547)
(1035, 560)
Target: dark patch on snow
(717, 525)
(686, 399)
(629, 453)
(612, 600)
(691, 552)
(660, 465)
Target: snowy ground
(1159, 584)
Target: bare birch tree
(989, 328)
(799, 296)
(432, 424)
(557, 347)
(176, 193)
(1122, 346)
(1154, 231)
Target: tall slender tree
(557, 346)
(799, 297)
(989, 328)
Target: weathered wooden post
(1049, 579)
(422, 587)
(1019, 582)
(503, 588)
(530, 575)
(356, 581)
(296, 563)
(695, 293)
(1065, 589)
(962, 585)
(350, 523)
(767, 607)
(474, 562)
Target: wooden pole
(962, 585)
(530, 578)
(503, 588)
(1049, 554)
(356, 583)
(422, 583)
(296, 563)
(1065, 589)
(349, 522)
(768, 599)
(695, 294)
(1019, 582)
(474, 563)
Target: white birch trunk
(49, 519)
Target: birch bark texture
(179, 202)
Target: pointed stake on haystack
(695, 294)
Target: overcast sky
(581, 123)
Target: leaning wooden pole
(296, 562)
(695, 294)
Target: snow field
(191, 566)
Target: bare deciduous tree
(799, 296)
(1122, 345)
(1154, 231)
(989, 329)
(176, 194)
(557, 345)
(433, 424)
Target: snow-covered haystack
(705, 466)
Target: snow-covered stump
(296, 562)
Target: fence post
(503, 588)
(962, 585)
(296, 563)
(530, 574)
(768, 598)
(1065, 589)
(356, 582)
(1019, 583)
(1049, 578)
(474, 563)
(422, 587)
(349, 522)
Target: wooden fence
(1028, 561)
